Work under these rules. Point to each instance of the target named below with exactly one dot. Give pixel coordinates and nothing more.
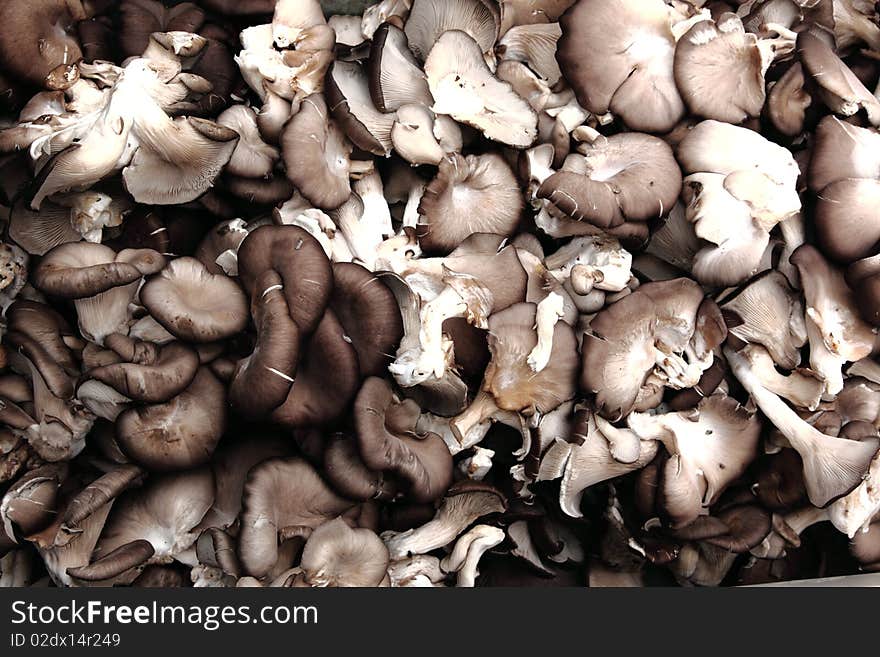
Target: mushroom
(752, 315)
(625, 177)
(101, 282)
(317, 155)
(180, 433)
(396, 79)
(833, 467)
(466, 553)
(464, 88)
(194, 304)
(710, 447)
(662, 334)
(386, 442)
(836, 332)
(429, 20)
(470, 194)
(337, 555)
(590, 459)
(719, 67)
(464, 503)
(266, 516)
(737, 174)
(636, 41)
(41, 49)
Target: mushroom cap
(262, 381)
(835, 83)
(753, 315)
(719, 70)
(193, 304)
(464, 88)
(368, 312)
(396, 79)
(140, 18)
(165, 512)
(510, 379)
(429, 20)
(179, 162)
(180, 433)
(344, 468)
(327, 378)
(306, 502)
(845, 174)
(626, 177)
(348, 96)
(39, 45)
(710, 447)
(299, 260)
(316, 155)
(634, 42)
(81, 269)
(387, 442)
(147, 373)
(337, 555)
(787, 102)
(618, 351)
(535, 45)
(470, 194)
(252, 157)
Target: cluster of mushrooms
(439, 292)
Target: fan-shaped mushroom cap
(180, 433)
(396, 79)
(316, 155)
(429, 20)
(643, 334)
(337, 555)
(752, 315)
(139, 19)
(252, 157)
(193, 304)
(626, 177)
(719, 69)
(464, 88)
(387, 442)
(165, 512)
(368, 312)
(845, 175)
(348, 96)
(710, 447)
(306, 502)
(181, 163)
(635, 43)
(535, 45)
(470, 194)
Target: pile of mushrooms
(444, 293)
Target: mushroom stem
(474, 420)
(468, 550)
(550, 310)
